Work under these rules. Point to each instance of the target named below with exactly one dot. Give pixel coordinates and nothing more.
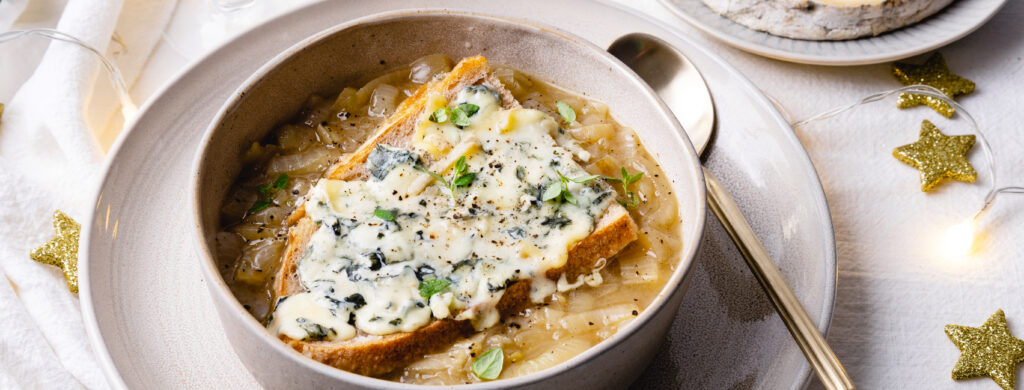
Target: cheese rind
(826, 19)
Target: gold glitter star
(989, 350)
(62, 251)
(938, 156)
(934, 73)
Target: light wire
(128, 107)
(930, 91)
(991, 198)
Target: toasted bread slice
(377, 355)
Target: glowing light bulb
(958, 240)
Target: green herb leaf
(566, 111)
(561, 188)
(562, 177)
(463, 180)
(432, 286)
(460, 165)
(432, 174)
(460, 119)
(386, 215)
(611, 179)
(469, 109)
(280, 182)
(461, 113)
(460, 178)
(488, 366)
(632, 200)
(569, 197)
(439, 115)
(634, 178)
(553, 191)
(260, 205)
(585, 179)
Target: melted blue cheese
(362, 273)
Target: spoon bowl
(674, 78)
(679, 84)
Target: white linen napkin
(50, 159)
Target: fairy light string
(959, 238)
(128, 108)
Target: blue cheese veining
(379, 242)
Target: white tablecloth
(895, 291)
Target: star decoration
(934, 73)
(62, 251)
(987, 351)
(938, 157)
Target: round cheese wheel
(826, 19)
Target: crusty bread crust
(611, 233)
(377, 355)
(397, 130)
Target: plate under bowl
(144, 299)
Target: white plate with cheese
(835, 22)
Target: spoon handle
(824, 362)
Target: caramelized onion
(383, 101)
(310, 161)
(426, 68)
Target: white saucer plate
(153, 325)
(951, 23)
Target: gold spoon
(682, 88)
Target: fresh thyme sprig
(632, 200)
(462, 177)
(560, 188)
(459, 115)
(268, 192)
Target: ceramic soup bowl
(341, 56)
